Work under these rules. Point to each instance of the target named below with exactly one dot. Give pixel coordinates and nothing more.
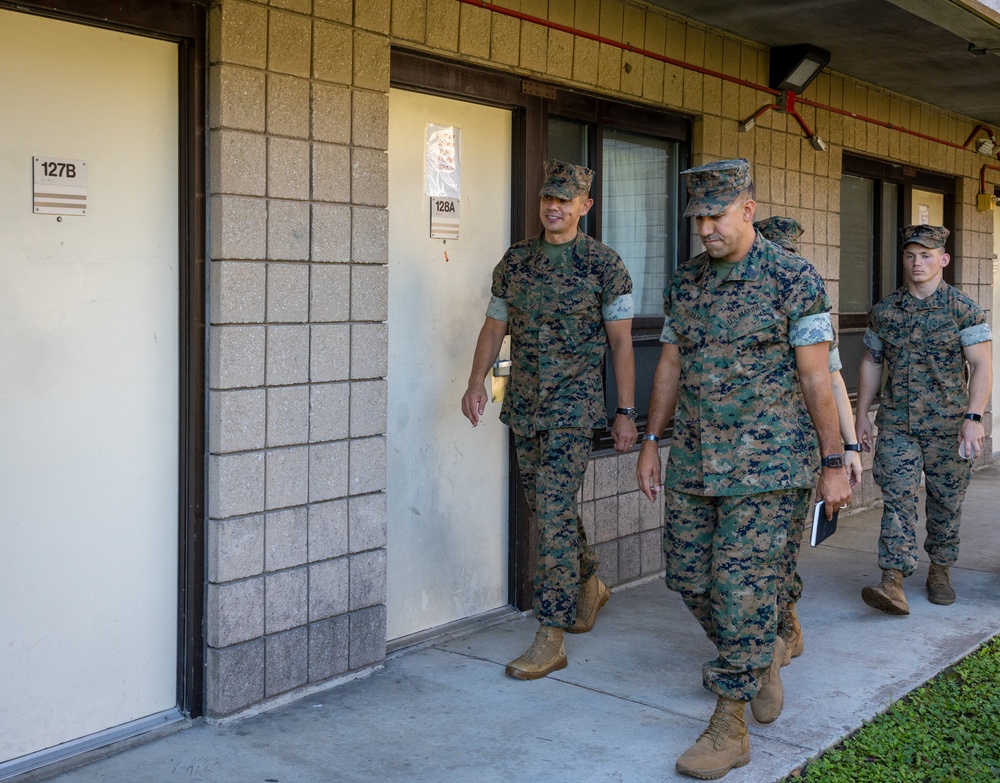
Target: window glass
(569, 142)
(857, 237)
(638, 211)
(927, 208)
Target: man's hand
(647, 471)
(474, 402)
(852, 461)
(624, 433)
(487, 349)
(834, 489)
(863, 429)
(970, 438)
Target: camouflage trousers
(899, 460)
(790, 590)
(724, 556)
(552, 464)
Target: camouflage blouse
(741, 425)
(922, 340)
(558, 341)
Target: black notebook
(822, 528)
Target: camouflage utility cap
(566, 180)
(715, 186)
(784, 231)
(928, 236)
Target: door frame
(418, 72)
(184, 23)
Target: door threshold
(449, 631)
(92, 747)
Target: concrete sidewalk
(628, 704)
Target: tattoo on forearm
(875, 357)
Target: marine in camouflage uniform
(785, 232)
(744, 320)
(924, 332)
(564, 295)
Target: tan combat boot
(939, 589)
(545, 656)
(766, 705)
(888, 595)
(723, 745)
(790, 630)
(593, 595)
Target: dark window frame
(906, 178)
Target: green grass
(947, 731)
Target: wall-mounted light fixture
(794, 67)
(985, 139)
(792, 70)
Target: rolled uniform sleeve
(980, 333)
(835, 364)
(667, 333)
(619, 309)
(810, 330)
(497, 309)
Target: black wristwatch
(833, 461)
(629, 413)
(852, 447)
(974, 417)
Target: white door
(88, 385)
(447, 481)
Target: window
(638, 156)
(877, 200)
(639, 212)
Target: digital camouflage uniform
(742, 457)
(555, 397)
(922, 408)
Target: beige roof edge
(977, 22)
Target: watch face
(835, 461)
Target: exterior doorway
(90, 387)
(447, 484)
